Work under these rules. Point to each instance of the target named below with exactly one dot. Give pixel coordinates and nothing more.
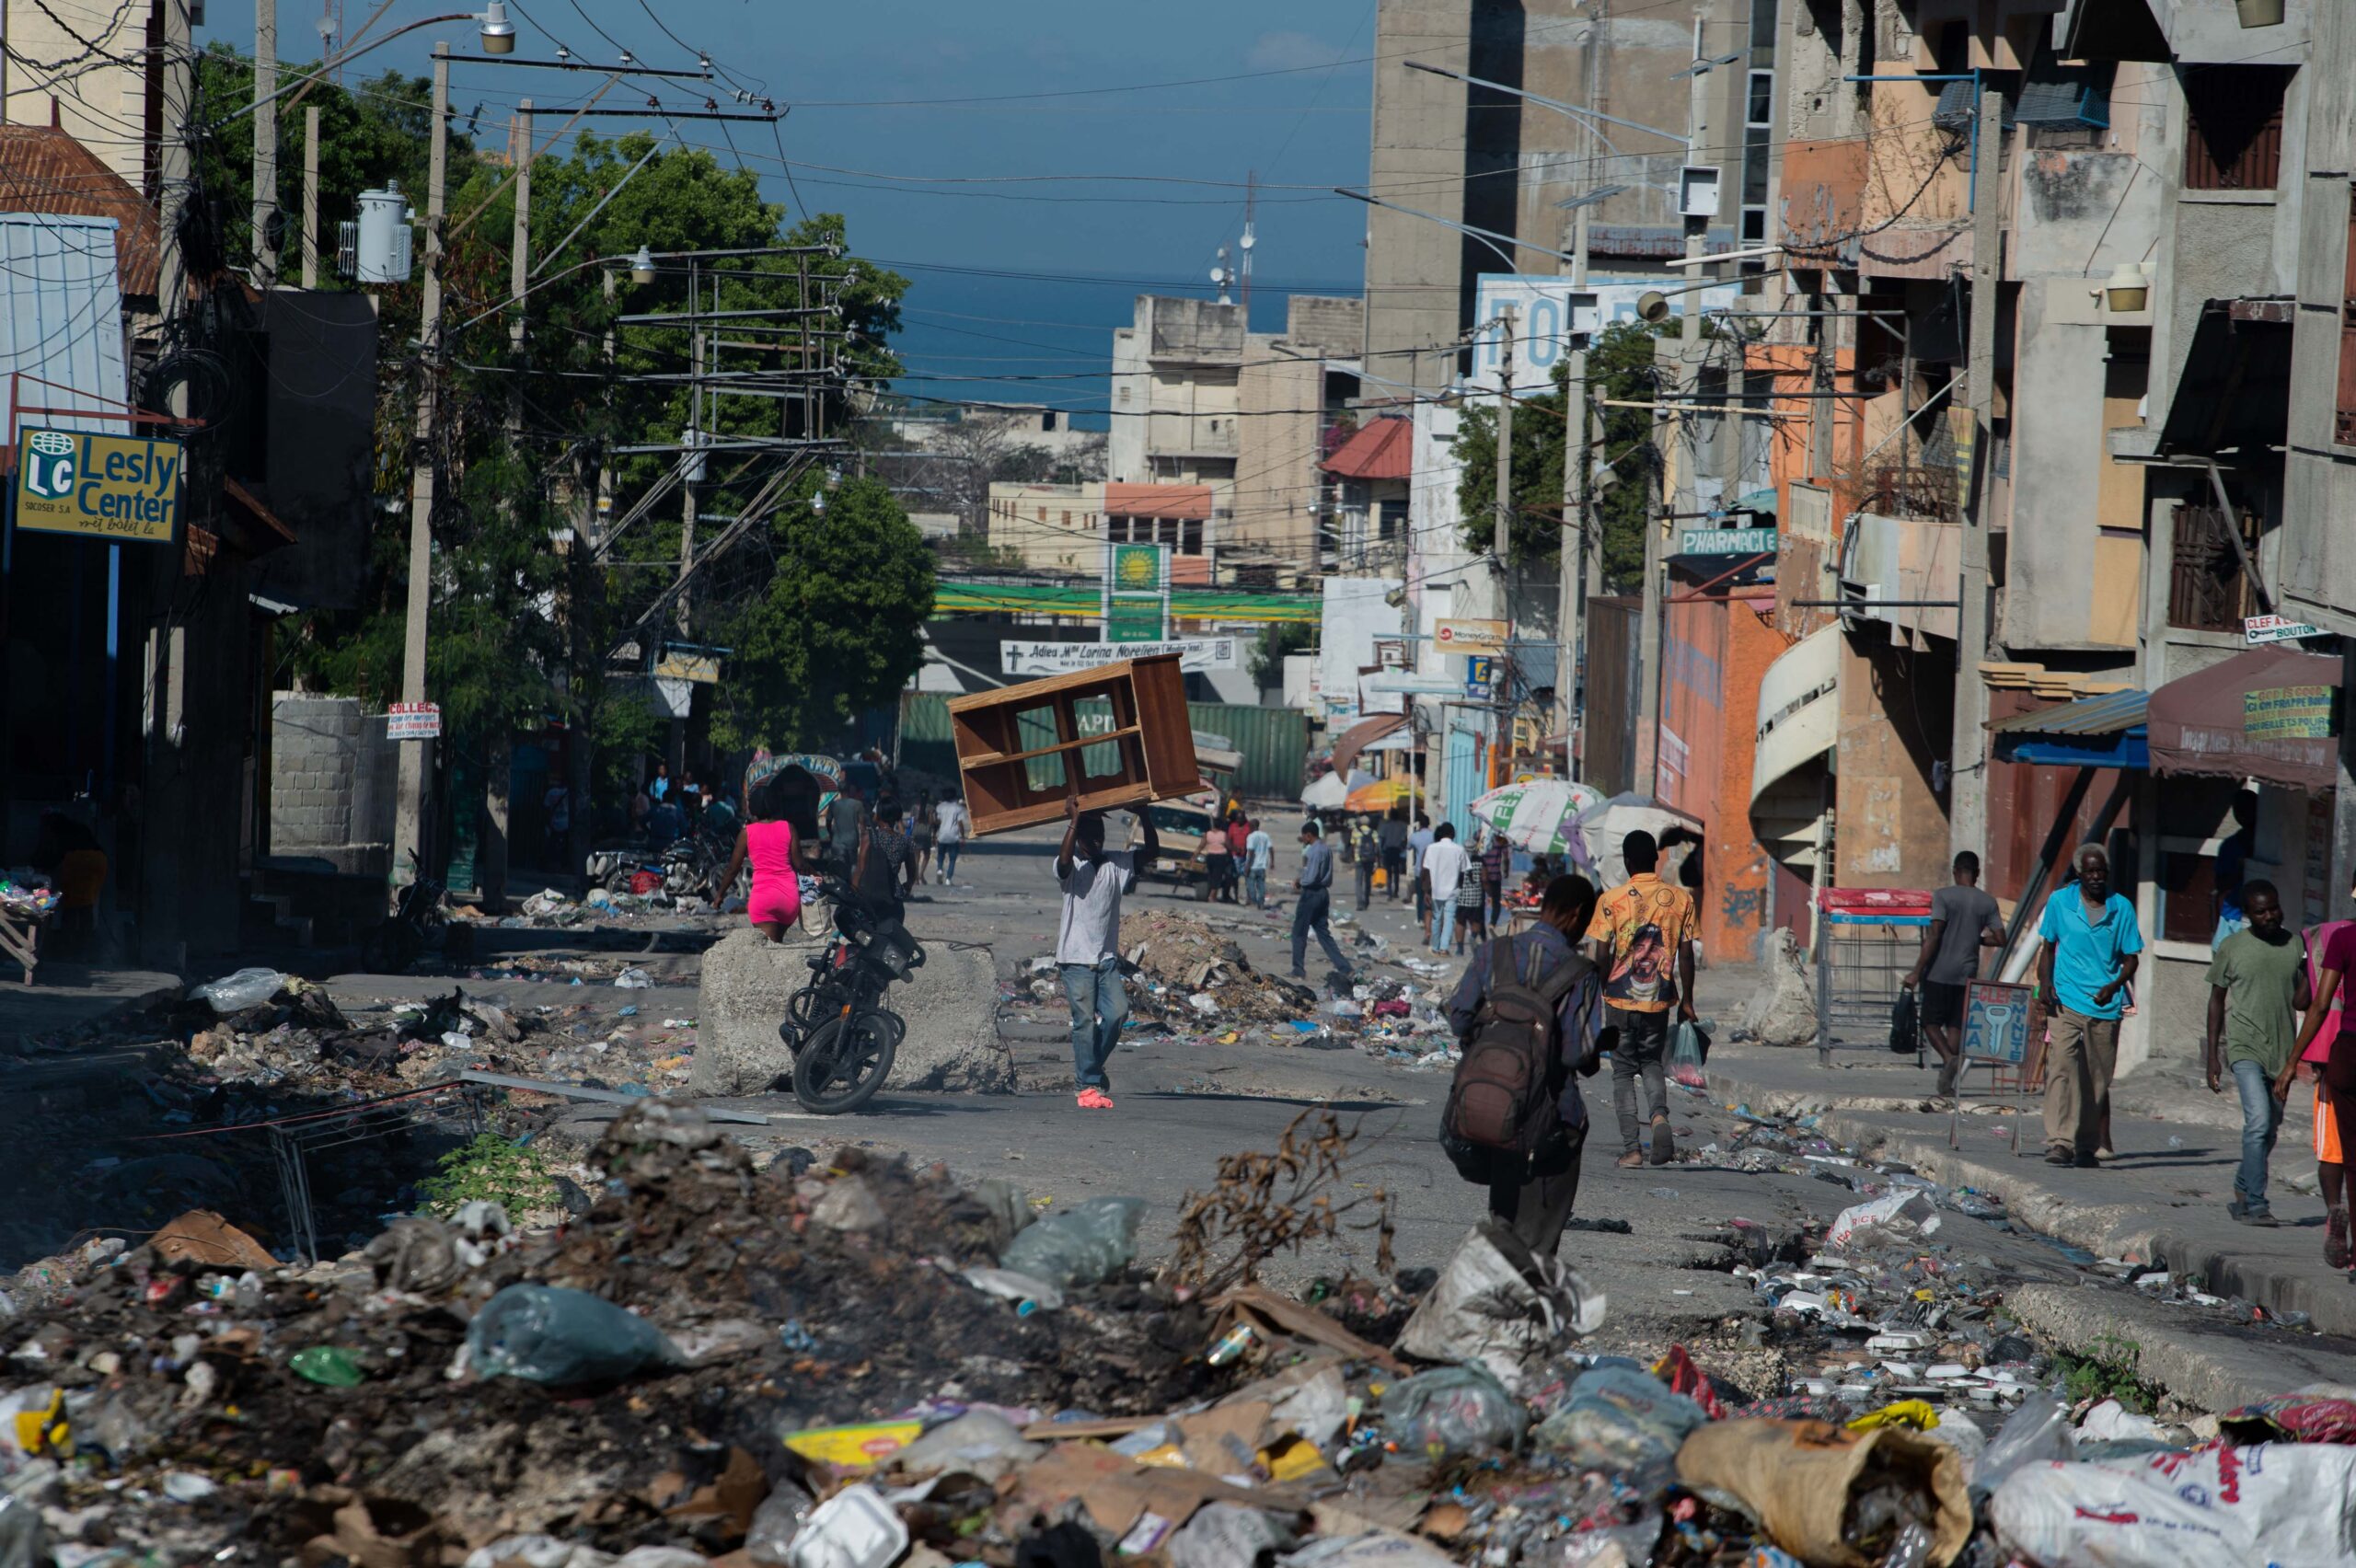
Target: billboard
(1543, 314)
(118, 487)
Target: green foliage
(836, 629)
(517, 1179)
(1620, 367)
(1276, 640)
(2108, 1373)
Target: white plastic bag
(236, 993)
(1092, 1243)
(1901, 1213)
(2223, 1507)
(1497, 1305)
(2037, 1433)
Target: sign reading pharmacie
(117, 488)
(1725, 541)
(1195, 655)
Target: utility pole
(1968, 767)
(678, 748)
(310, 196)
(1503, 521)
(585, 621)
(1570, 615)
(499, 745)
(265, 142)
(417, 756)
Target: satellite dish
(1218, 274)
(1247, 242)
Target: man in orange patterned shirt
(1642, 940)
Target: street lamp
(641, 267)
(498, 32)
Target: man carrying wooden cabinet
(1088, 941)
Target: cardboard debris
(203, 1237)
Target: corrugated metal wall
(1274, 741)
(1609, 760)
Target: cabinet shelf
(1024, 752)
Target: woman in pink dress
(776, 853)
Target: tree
(1277, 639)
(1620, 367)
(836, 629)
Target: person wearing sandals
(2257, 987)
(1642, 940)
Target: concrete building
(92, 68)
(1198, 400)
(1049, 527)
(1491, 160)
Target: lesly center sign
(104, 487)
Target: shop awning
(2093, 732)
(1362, 734)
(2267, 714)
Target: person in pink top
(2329, 1169)
(776, 853)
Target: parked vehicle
(842, 1037)
(419, 921)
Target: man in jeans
(1392, 837)
(2258, 989)
(1087, 943)
(1315, 902)
(1418, 842)
(1445, 867)
(2091, 944)
(1643, 935)
(1260, 851)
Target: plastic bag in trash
(1500, 1304)
(633, 980)
(1229, 1535)
(1092, 1243)
(1832, 1496)
(2037, 1433)
(979, 1443)
(2281, 1502)
(776, 1522)
(1456, 1410)
(1617, 1418)
(1906, 1214)
(236, 993)
(854, 1529)
(2301, 1416)
(23, 1542)
(544, 1333)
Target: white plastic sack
(2254, 1507)
(1497, 1305)
(236, 993)
(1909, 1213)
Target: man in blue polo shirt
(2089, 958)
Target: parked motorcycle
(842, 1037)
(419, 921)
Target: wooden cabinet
(1115, 736)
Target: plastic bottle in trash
(775, 1524)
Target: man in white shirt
(949, 836)
(1444, 868)
(1260, 851)
(1087, 943)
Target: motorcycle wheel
(840, 1069)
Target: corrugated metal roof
(2110, 714)
(45, 170)
(60, 320)
(1383, 449)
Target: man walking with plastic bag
(1643, 936)
(1533, 1192)
(2091, 943)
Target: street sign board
(1136, 593)
(1995, 1022)
(680, 662)
(1470, 636)
(2288, 713)
(2256, 629)
(1480, 676)
(1195, 655)
(413, 722)
(118, 487)
(1725, 541)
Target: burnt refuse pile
(853, 1363)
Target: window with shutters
(2234, 126)
(2207, 589)
(2344, 411)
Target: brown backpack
(1503, 1094)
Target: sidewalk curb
(2118, 1230)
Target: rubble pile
(859, 1365)
(1181, 958)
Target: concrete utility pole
(1508, 318)
(1570, 617)
(310, 196)
(173, 170)
(581, 621)
(499, 813)
(410, 816)
(1968, 775)
(679, 748)
(265, 141)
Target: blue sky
(955, 193)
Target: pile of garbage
(550, 910)
(1182, 962)
(858, 1365)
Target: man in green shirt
(2258, 989)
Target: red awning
(1362, 734)
(2267, 714)
(1185, 502)
(1383, 449)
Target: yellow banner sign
(107, 486)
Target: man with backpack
(1530, 1015)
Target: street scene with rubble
(1558, 784)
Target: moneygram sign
(104, 487)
